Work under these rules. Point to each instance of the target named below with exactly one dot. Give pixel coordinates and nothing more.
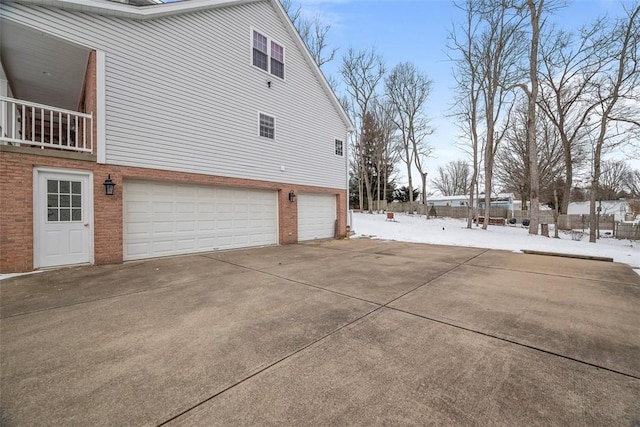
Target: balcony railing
(24, 123)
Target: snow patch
(453, 232)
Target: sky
(416, 31)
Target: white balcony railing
(24, 123)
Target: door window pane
(61, 197)
(65, 214)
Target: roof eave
(121, 10)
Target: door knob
(86, 224)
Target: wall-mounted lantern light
(292, 196)
(109, 186)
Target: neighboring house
(210, 116)
(448, 201)
(619, 208)
(502, 199)
(498, 200)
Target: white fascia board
(120, 10)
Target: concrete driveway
(359, 332)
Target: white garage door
(316, 216)
(163, 219)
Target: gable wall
(182, 95)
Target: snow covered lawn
(453, 232)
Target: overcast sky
(416, 31)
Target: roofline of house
(121, 10)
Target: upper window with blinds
(268, 55)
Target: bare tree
(385, 153)
(497, 54)
(569, 64)
(512, 160)
(613, 179)
(362, 71)
(372, 141)
(632, 183)
(614, 90)
(407, 89)
(535, 13)
(467, 107)
(312, 31)
(453, 179)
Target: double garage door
(162, 219)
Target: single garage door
(162, 219)
(316, 216)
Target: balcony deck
(24, 123)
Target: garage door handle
(86, 224)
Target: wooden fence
(627, 230)
(565, 222)
(443, 211)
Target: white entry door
(62, 216)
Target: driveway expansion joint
(269, 366)
(510, 341)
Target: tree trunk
(568, 183)
(595, 187)
(487, 205)
(360, 189)
(556, 213)
(423, 176)
(488, 175)
(409, 179)
(384, 191)
(534, 213)
(472, 188)
(531, 116)
(367, 184)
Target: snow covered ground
(453, 232)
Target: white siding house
(200, 97)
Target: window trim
(270, 57)
(341, 147)
(275, 121)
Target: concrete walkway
(359, 332)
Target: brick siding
(16, 194)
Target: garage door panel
(205, 226)
(185, 244)
(167, 219)
(186, 226)
(162, 227)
